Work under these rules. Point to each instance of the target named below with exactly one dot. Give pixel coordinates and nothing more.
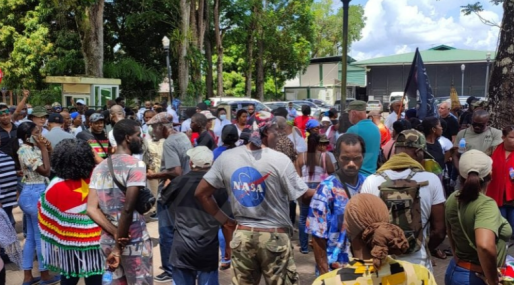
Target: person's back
(256, 180)
(56, 135)
(370, 133)
(481, 213)
(432, 194)
(393, 272)
(195, 242)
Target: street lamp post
(344, 58)
(488, 58)
(275, 78)
(462, 68)
(166, 46)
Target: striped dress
(8, 181)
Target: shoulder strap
(390, 151)
(348, 193)
(464, 230)
(100, 144)
(111, 170)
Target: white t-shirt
(446, 144)
(430, 195)
(186, 125)
(298, 141)
(175, 117)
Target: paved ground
(305, 263)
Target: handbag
(145, 199)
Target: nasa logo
(248, 186)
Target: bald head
(444, 109)
(117, 113)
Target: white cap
(208, 114)
(201, 156)
(80, 101)
(325, 119)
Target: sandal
(438, 253)
(224, 266)
(34, 281)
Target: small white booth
(94, 91)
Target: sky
(399, 26)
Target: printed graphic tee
(260, 184)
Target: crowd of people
(376, 199)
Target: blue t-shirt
(218, 151)
(326, 216)
(370, 133)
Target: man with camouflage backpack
(415, 197)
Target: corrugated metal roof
(439, 54)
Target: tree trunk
(219, 48)
(91, 30)
(501, 84)
(183, 68)
(208, 55)
(260, 57)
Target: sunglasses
(6, 111)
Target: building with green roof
(443, 63)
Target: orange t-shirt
(385, 135)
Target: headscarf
(74, 115)
(367, 218)
(263, 120)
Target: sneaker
(154, 216)
(163, 277)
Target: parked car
(216, 100)
(374, 105)
(315, 110)
(275, 105)
(235, 105)
(337, 104)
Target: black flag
(418, 88)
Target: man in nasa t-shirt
(261, 182)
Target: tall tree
(219, 48)
(328, 25)
(182, 47)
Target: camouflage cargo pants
(256, 254)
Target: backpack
(402, 199)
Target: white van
(398, 96)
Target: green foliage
(328, 25)
(45, 96)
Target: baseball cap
(208, 114)
(81, 102)
(229, 130)
(39, 111)
(471, 99)
(96, 117)
(412, 139)
(325, 119)
(55, 118)
(357, 105)
(201, 156)
(311, 124)
(475, 161)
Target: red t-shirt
(300, 123)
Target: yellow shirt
(393, 272)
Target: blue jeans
(221, 239)
(165, 236)
(456, 275)
(507, 212)
(190, 277)
(304, 238)
(28, 203)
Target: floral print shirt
(326, 215)
(30, 159)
